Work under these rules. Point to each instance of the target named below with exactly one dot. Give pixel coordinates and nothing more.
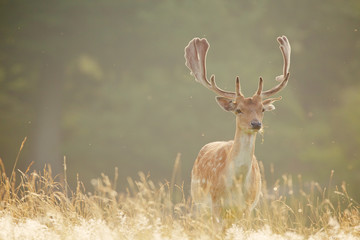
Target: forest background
(104, 84)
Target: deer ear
(226, 103)
(269, 107)
(268, 103)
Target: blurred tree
(344, 118)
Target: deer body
(226, 174)
(219, 169)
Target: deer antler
(286, 51)
(195, 55)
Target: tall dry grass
(34, 205)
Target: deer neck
(242, 152)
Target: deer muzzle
(255, 124)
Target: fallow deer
(226, 174)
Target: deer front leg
(216, 211)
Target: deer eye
(263, 110)
(238, 111)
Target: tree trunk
(47, 136)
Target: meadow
(104, 83)
(36, 205)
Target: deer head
(249, 111)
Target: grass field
(34, 205)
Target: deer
(226, 174)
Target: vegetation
(104, 84)
(34, 205)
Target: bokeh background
(104, 84)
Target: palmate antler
(286, 51)
(195, 55)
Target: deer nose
(255, 124)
